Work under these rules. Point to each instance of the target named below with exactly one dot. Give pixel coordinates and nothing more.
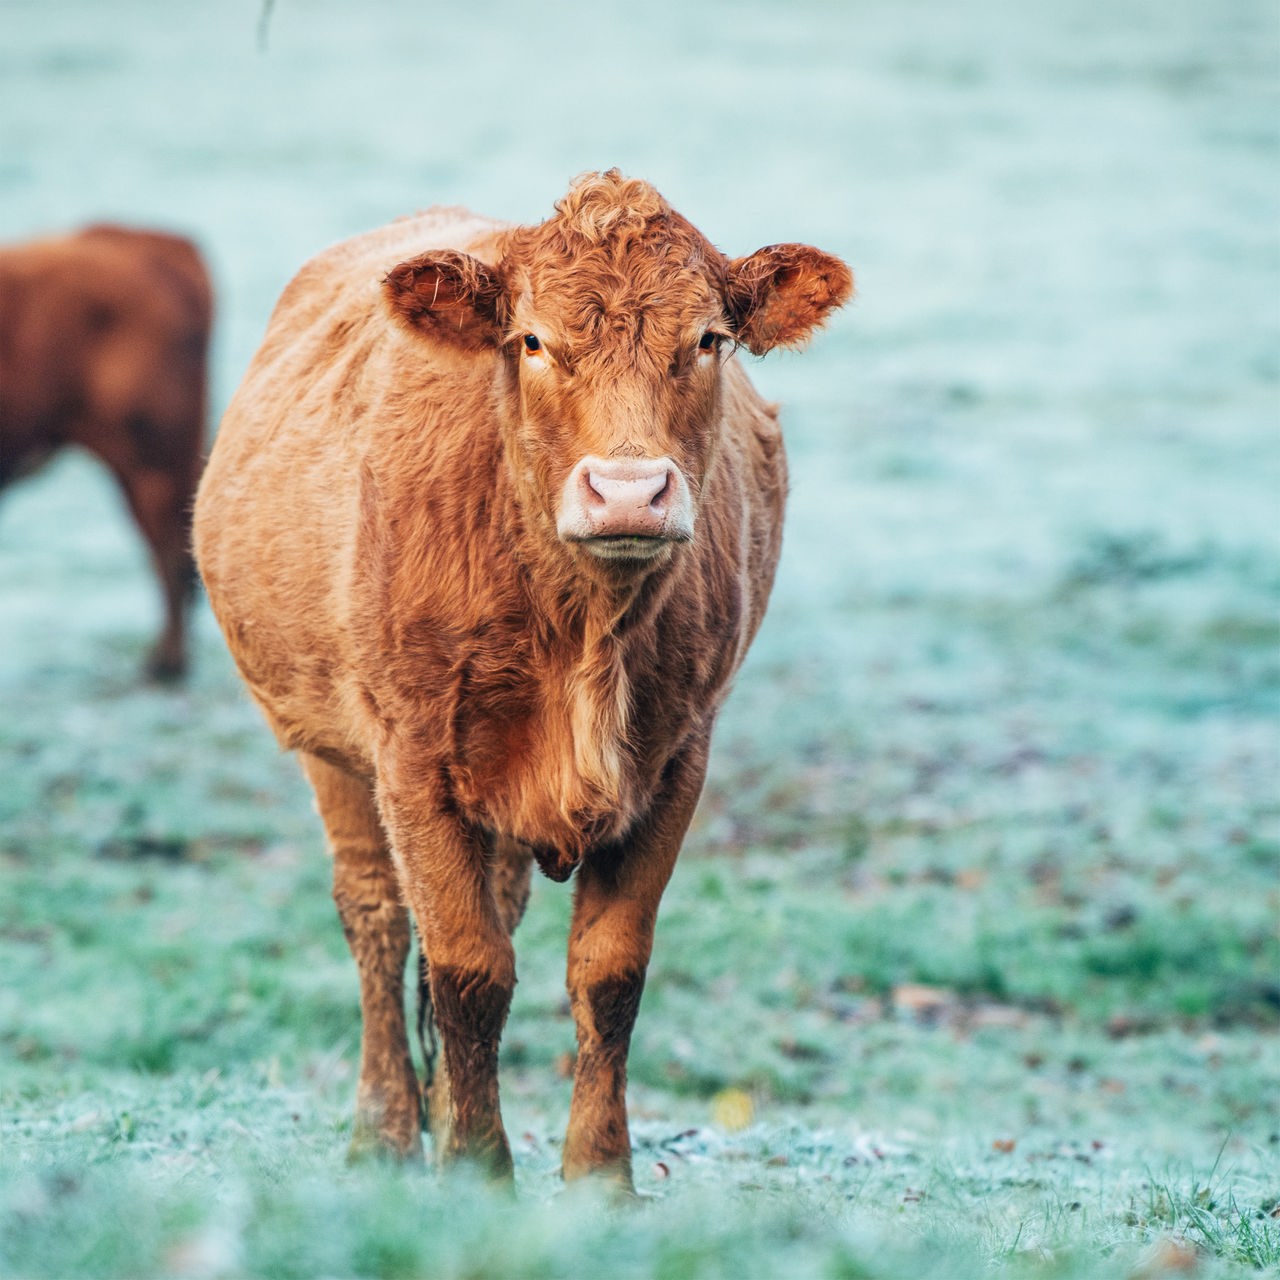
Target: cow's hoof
(611, 1181)
(371, 1146)
(606, 1192)
(493, 1164)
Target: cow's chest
(546, 755)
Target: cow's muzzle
(625, 508)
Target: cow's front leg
(447, 879)
(615, 907)
(510, 867)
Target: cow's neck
(597, 696)
(589, 677)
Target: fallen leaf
(1169, 1256)
(732, 1109)
(924, 1002)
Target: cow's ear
(780, 294)
(449, 295)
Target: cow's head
(613, 322)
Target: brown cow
(104, 340)
(489, 527)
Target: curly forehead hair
(616, 257)
(600, 205)
(603, 218)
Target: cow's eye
(531, 343)
(709, 341)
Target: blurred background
(1008, 740)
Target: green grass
(979, 1035)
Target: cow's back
(340, 285)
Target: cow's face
(613, 322)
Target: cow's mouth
(629, 546)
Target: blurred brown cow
(104, 342)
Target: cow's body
(486, 653)
(104, 339)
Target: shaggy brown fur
(104, 339)
(377, 530)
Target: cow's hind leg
(614, 910)
(160, 500)
(388, 1103)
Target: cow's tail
(428, 1044)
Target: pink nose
(625, 498)
(628, 499)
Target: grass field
(971, 965)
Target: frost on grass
(970, 964)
